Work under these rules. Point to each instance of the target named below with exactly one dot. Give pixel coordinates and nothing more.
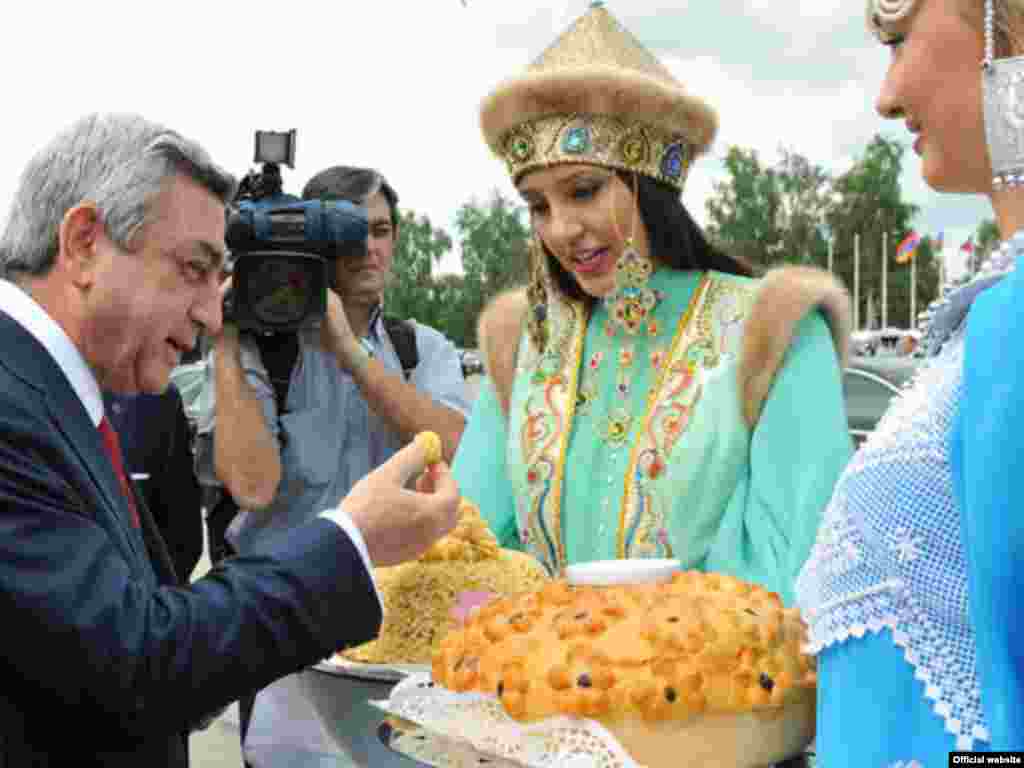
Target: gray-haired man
(110, 261)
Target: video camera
(281, 246)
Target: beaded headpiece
(594, 96)
(597, 96)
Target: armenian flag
(907, 248)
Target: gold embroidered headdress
(596, 95)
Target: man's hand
(399, 524)
(336, 335)
(228, 337)
(246, 455)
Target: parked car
(887, 342)
(869, 385)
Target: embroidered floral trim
(549, 409)
(657, 357)
(543, 415)
(906, 546)
(635, 527)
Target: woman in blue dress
(913, 589)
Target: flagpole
(856, 282)
(885, 280)
(831, 254)
(913, 291)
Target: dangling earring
(1003, 93)
(537, 297)
(633, 300)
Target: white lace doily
(440, 752)
(478, 720)
(889, 554)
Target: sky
(396, 84)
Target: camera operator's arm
(246, 456)
(406, 408)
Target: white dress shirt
(33, 318)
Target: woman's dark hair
(674, 237)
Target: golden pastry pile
(700, 649)
(470, 541)
(419, 596)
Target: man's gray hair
(119, 162)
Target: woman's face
(934, 84)
(584, 214)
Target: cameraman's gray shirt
(331, 437)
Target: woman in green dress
(645, 396)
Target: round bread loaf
(703, 670)
(419, 596)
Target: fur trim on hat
(785, 297)
(499, 330)
(597, 90)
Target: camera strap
(403, 338)
(280, 352)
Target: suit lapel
(154, 540)
(87, 443)
(26, 357)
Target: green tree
(868, 201)
(448, 301)
(806, 192)
(986, 240)
(743, 211)
(419, 248)
(987, 236)
(769, 214)
(494, 241)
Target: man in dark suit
(111, 258)
(156, 442)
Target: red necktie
(113, 446)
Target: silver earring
(1003, 94)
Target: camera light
(276, 147)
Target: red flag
(968, 246)
(907, 248)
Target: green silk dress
(634, 445)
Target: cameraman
(349, 407)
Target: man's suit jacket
(105, 664)
(155, 439)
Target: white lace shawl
(889, 554)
